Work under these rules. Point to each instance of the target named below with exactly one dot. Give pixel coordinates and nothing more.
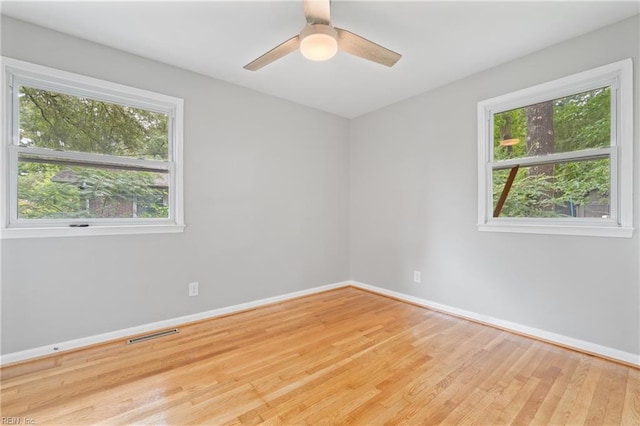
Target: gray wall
(266, 199)
(414, 206)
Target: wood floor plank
(631, 407)
(615, 400)
(344, 356)
(567, 365)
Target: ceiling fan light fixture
(318, 42)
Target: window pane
(71, 123)
(48, 190)
(571, 189)
(573, 123)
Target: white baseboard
(559, 339)
(169, 323)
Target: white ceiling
(439, 41)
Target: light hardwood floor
(343, 356)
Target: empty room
(320, 212)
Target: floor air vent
(152, 336)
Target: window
(557, 158)
(83, 156)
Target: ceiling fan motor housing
(318, 42)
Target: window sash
(82, 158)
(560, 157)
(91, 94)
(606, 153)
(611, 200)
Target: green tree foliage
(510, 125)
(70, 123)
(584, 120)
(50, 189)
(40, 197)
(581, 121)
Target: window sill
(558, 229)
(15, 233)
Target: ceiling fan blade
(274, 54)
(359, 46)
(317, 11)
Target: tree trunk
(540, 141)
(540, 137)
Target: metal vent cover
(152, 336)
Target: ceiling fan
(320, 41)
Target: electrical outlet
(193, 289)
(417, 276)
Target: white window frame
(619, 76)
(15, 73)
